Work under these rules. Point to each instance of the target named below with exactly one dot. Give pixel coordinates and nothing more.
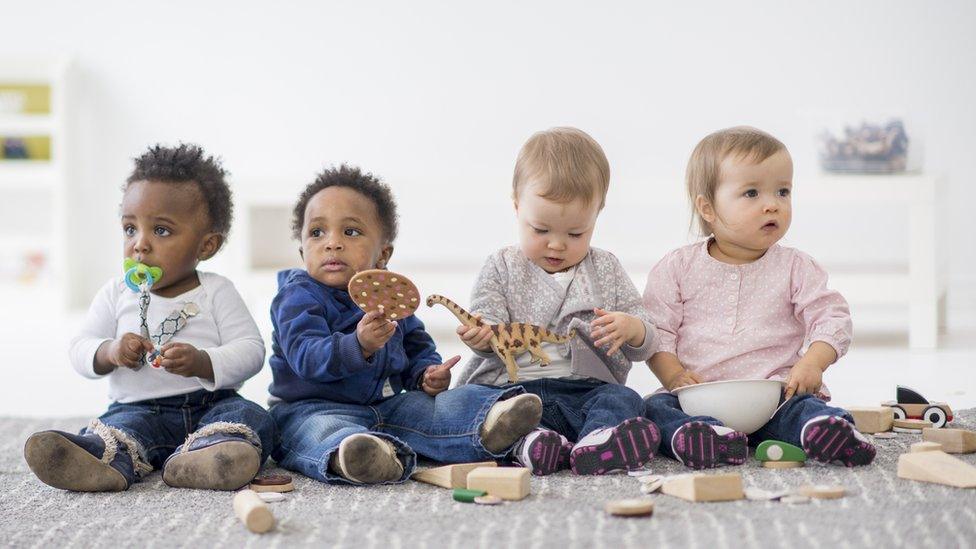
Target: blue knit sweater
(316, 353)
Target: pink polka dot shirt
(749, 321)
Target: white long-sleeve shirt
(223, 328)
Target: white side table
(924, 285)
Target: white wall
(437, 98)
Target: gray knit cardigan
(510, 288)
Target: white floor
(36, 379)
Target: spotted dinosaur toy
(509, 339)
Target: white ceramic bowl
(742, 404)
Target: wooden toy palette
(390, 292)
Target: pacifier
(137, 274)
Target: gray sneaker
(510, 420)
(367, 459)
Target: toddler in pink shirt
(739, 306)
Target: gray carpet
(563, 511)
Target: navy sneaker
(626, 447)
(83, 463)
(218, 456)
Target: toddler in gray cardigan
(553, 278)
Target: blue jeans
(576, 407)
(443, 428)
(785, 425)
(160, 425)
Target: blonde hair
(704, 166)
(567, 163)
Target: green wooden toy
(467, 496)
(774, 450)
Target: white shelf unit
(33, 192)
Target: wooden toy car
(911, 405)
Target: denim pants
(576, 407)
(160, 425)
(785, 425)
(443, 428)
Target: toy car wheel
(936, 416)
(899, 412)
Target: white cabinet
(921, 281)
(33, 137)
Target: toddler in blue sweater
(356, 397)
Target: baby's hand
(805, 378)
(437, 379)
(615, 329)
(683, 378)
(185, 360)
(128, 350)
(373, 331)
(475, 337)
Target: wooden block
(873, 419)
(953, 441)
(917, 424)
(937, 467)
(511, 483)
(782, 464)
(450, 476)
(822, 491)
(636, 507)
(925, 447)
(253, 512)
(702, 487)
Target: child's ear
(385, 254)
(704, 208)
(211, 245)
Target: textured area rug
(880, 510)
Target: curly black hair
(365, 184)
(189, 163)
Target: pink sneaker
(543, 452)
(626, 447)
(702, 446)
(830, 438)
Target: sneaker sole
(60, 463)
(514, 423)
(361, 459)
(548, 455)
(833, 440)
(223, 466)
(698, 446)
(630, 446)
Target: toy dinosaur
(509, 339)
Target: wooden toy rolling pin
(253, 512)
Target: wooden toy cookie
(635, 507)
(377, 289)
(272, 483)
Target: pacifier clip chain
(140, 277)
